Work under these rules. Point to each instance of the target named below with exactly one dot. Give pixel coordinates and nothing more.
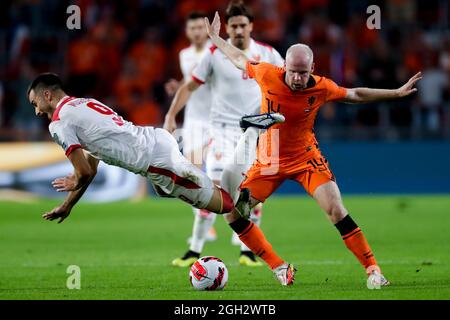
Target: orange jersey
(290, 141)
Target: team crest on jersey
(311, 100)
(58, 141)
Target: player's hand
(407, 88)
(65, 184)
(61, 212)
(171, 87)
(170, 124)
(214, 28)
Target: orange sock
(252, 236)
(356, 242)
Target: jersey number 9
(106, 111)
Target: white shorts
(224, 139)
(173, 175)
(195, 138)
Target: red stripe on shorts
(188, 184)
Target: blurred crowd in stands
(126, 51)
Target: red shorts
(263, 179)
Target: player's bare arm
(236, 56)
(365, 95)
(85, 169)
(178, 103)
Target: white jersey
(234, 93)
(199, 104)
(91, 125)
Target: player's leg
(243, 156)
(318, 181)
(249, 233)
(173, 175)
(255, 217)
(253, 237)
(247, 257)
(195, 145)
(245, 150)
(203, 222)
(204, 219)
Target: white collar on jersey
(61, 101)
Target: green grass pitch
(124, 250)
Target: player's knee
(336, 212)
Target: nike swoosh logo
(307, 110)
(271, 93)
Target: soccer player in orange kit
(298, 94)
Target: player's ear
(47, 94)
(250, 26)
(312, 67)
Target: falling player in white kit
(90, 131)
(195, 133)
(234, 95)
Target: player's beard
(239, 43)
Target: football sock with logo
(356, 242)
(202, 223)
(254, 238)
(255, 217)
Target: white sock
(244, 156)
(255, 217)
(202, 223)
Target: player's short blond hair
(303, 48)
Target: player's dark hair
(45, 81)
(194, 15)
(238, 8)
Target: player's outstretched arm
(236, 56)
(365, 95)
(85, 167)
(179, 101)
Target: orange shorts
(262, 180)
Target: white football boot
(375, 279)
(285, 274)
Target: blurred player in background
(298, 94)
(90, 131)
(234, 95)
(195, 133)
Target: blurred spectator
(83, 61)
(377, 70)
(149, 56)
(126, 50)
(431, 92)
(143, 111)
(110, 36)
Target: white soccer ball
(208, 273)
